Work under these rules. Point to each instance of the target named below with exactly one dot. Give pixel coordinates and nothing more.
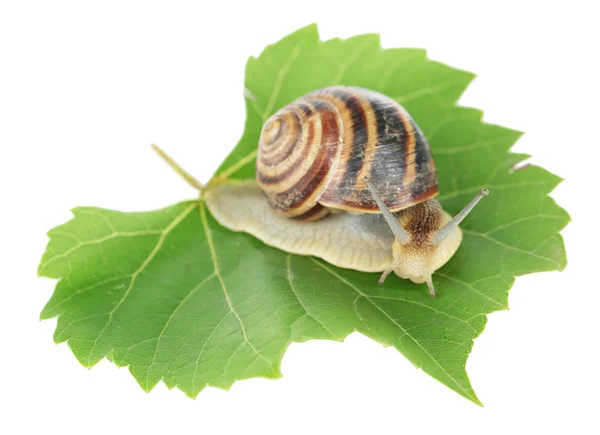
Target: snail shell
(314, 154)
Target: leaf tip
(310, 28)
(472, 396)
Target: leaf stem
(192, 181)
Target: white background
(85, 87)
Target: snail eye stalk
(401, 234)
(443, 232)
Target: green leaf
(176, 297)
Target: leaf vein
(213, 254)
(98, 241)
(179, 305)
(402, 329)
(134, 276)
(197, 362)
(518, 221)
(279, 82)
(502, 306)
(289, 277)
(513, 248)
(426, 306)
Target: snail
(336, 170)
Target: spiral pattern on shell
(314, 153)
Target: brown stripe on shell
(296, 189)
(410, 165)
(272, 130)
(354, 157)
(352, 107)
(370, 148)
(306, 190)
(386, 166)
(290, 172)
(290, 167)
(314, 214)
(388, 161)
(282, 175)
(290, 134)
(307, 187)
(426, 177)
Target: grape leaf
(176, 297)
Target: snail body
(354, 150)
(360, 242)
